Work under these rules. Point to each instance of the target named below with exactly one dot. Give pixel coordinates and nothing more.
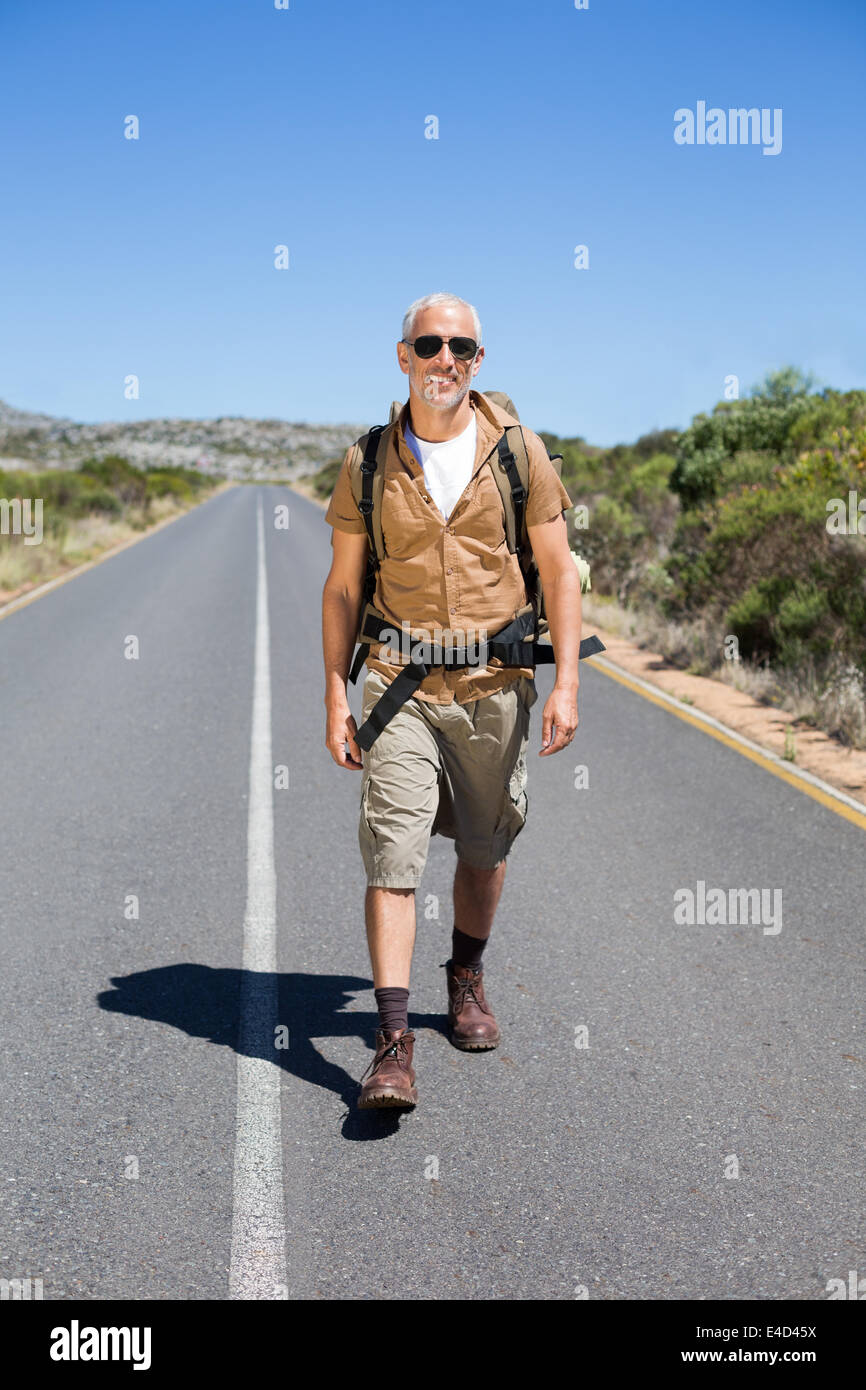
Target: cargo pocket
(365, 828)
(517, 787)
(444, 822)
(515, 802)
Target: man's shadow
(205, 1002)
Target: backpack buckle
(365, 506)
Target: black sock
(393, 1005)
(466, 950)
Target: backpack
(511, 476)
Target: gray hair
(428, 302)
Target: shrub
(161, 482)
(127, 482)
(326, 477)
(760, 423)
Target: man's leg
(399, 794)
(390, 918)
(476, 896)
(486, 767)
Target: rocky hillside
(235, 447)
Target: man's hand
(340, 731)
(341, 607)
(560, 715)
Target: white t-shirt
(447, 464)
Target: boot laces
(390, 1050)
(465, 987)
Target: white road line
(258, 1260)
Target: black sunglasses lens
(463, 348)
(429, 344)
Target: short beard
(442, 405)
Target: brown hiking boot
(470, 1017)
(392, 1076)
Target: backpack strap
(368, 485)
(360, 658)
(511, 475)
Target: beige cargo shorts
(452, 770)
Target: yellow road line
(807, 782)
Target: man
(451, 760)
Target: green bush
(650, 478)
(111, 486)
(758, 424)
(128, 483)
(764, 558)
(614, 543)
(161, 482)
(74, 494)
(326, 477)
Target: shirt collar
(488, 432)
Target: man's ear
(403, 358)
(479, 358)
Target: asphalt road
(543, 1170)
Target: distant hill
(233, 446)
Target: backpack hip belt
(513, 645)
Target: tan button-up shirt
(456, 575)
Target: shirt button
(449, 571)
(452, 610)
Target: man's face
(441, 381)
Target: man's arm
(341, 609)
(561, 583)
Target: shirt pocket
(483, 524)
(408, 527)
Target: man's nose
(445, 357)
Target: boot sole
(475, 1046)
(388, 1100)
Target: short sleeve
(547, 496)
(342, 510)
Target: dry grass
(833, 699)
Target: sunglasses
(464, 349)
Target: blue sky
(306, 127)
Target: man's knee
(480, 875)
